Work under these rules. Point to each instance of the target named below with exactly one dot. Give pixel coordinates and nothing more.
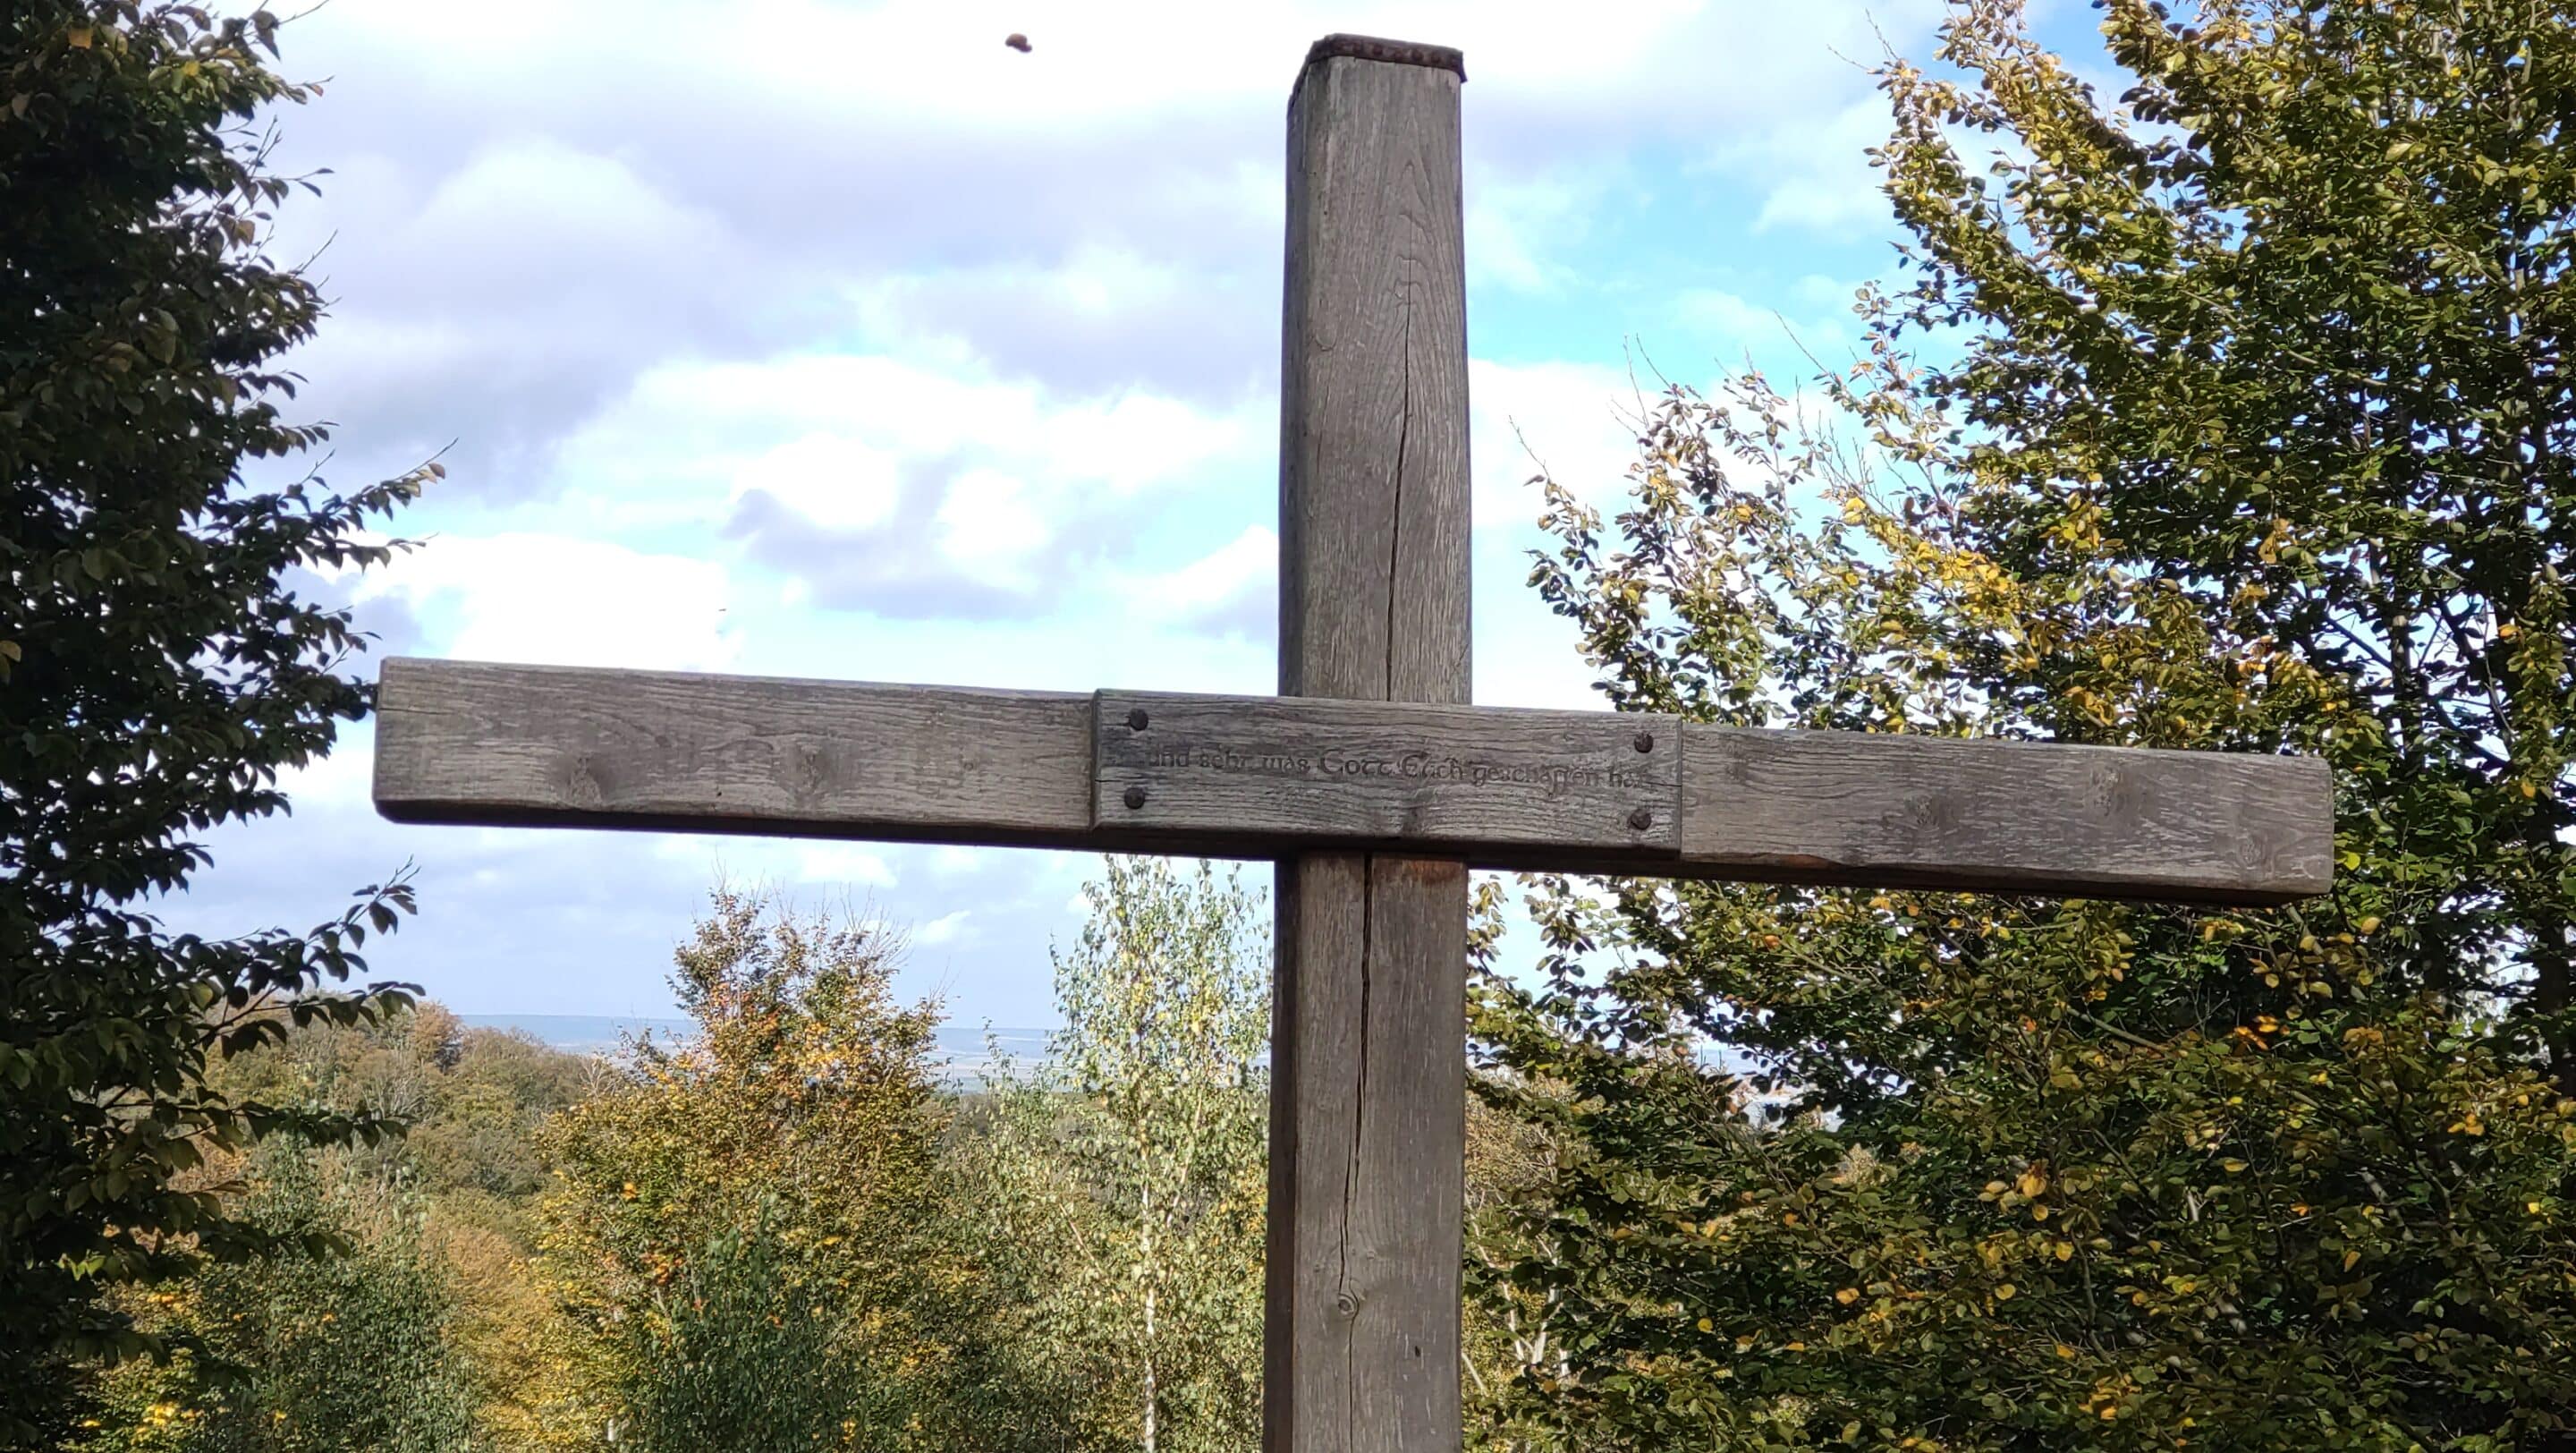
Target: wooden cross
(1368, 778)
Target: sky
(841, 340)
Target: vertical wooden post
(1367, 1120)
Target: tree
(467, 1167)
(2233, 417)
(746, 1350)
(395, 1306)
(1117, 1190)
(159, 671)
(757, 1197)
(341, 1331)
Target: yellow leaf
(2005, 1292)
(77, 37)
(2033, 1182)
(1849, 1295)
(2350, 1258)
(1706, 1325)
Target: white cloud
(535, 225)
(948, 861)
(989, 527)
(1242, 573)
(840, 484)
(830, 862)
(940, 930)
(876, 415)
(338, 782)
(1574, 417)
(1744, 327)
(908, 486)
(561, 600)
(1513, 224)
(1820, 179)
(1137, 440)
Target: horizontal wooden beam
(1312, 770)
(468, 742)
(473, 742)
(2005, 816)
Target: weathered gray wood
(2022, 817)
(1474, 780)
(1368, 1121)
(478, 743)
(1367, 1154)
(1373, 500)
(460, 741)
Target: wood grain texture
(1468, 779)
(474, 742)
(1373, 497)
(2019, 817)
(1368, 1132)
(1367, 1154)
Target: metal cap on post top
(1393, 52)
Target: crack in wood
(1395, 525)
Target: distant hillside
(962, 1048)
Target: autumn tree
(740, 1220)
(396, 1306)
(340, 1334)
(157, 670)
(2231, 416)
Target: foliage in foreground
(739, 1229)
(2255, 436)
(156, 674)
(1114, 1194)
(342, 1331)
(396, 1306)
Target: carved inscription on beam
(1475, 779)
(461, 741)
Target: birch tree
(1121, 1183)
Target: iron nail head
(1136, 722)
(1645, 741)
(1135, 798)
(1641, 819)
